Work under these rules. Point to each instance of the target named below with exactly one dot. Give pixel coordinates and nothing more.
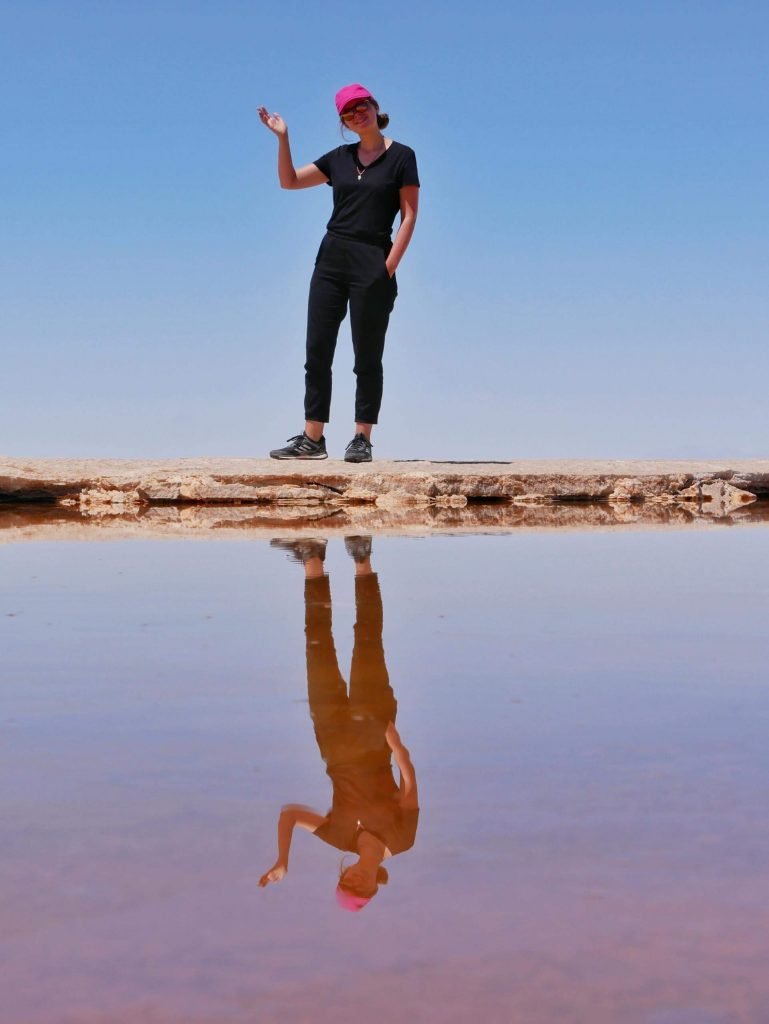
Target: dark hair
(382, 878)
(382, 120)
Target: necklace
(362, 168)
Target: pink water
(586, 714)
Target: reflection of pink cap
(349, 901)
(350, 93)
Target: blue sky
(588, 277)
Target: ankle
(313, 568)
(314, 430)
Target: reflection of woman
(371, 815)
(373, 179)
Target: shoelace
(358, 444)
(298, 439)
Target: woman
(371, 815)
(372, 180)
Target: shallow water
(586, 713)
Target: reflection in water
(371, 815)
(618, 677)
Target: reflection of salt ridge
(100, 502)
(71, 519)
(128, 519)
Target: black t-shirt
(365, 207)
(366, 797)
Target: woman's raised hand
(276, 874)
(274, 122)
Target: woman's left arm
(409, 798)
(409, 198)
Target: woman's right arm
(291, 816)
(288, 175)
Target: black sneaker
(358, 450)
(358, 548)
(301, 549)
(301, 447)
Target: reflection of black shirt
(366, 797)
(365, 208)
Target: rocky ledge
(43, 522)
(119, 484)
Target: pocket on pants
(391, 280)
(386, 273)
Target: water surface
(586, 715)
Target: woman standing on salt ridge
(373, 180)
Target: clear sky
(588, 276)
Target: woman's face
(359, 880)
(359, 115)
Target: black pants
(348, 726)
(354, 272)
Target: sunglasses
(359, 108)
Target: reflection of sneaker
(302, 549)
(358, 450)
(301, 447)
(358, 548)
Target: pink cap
(350, 93)
(348, 900)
